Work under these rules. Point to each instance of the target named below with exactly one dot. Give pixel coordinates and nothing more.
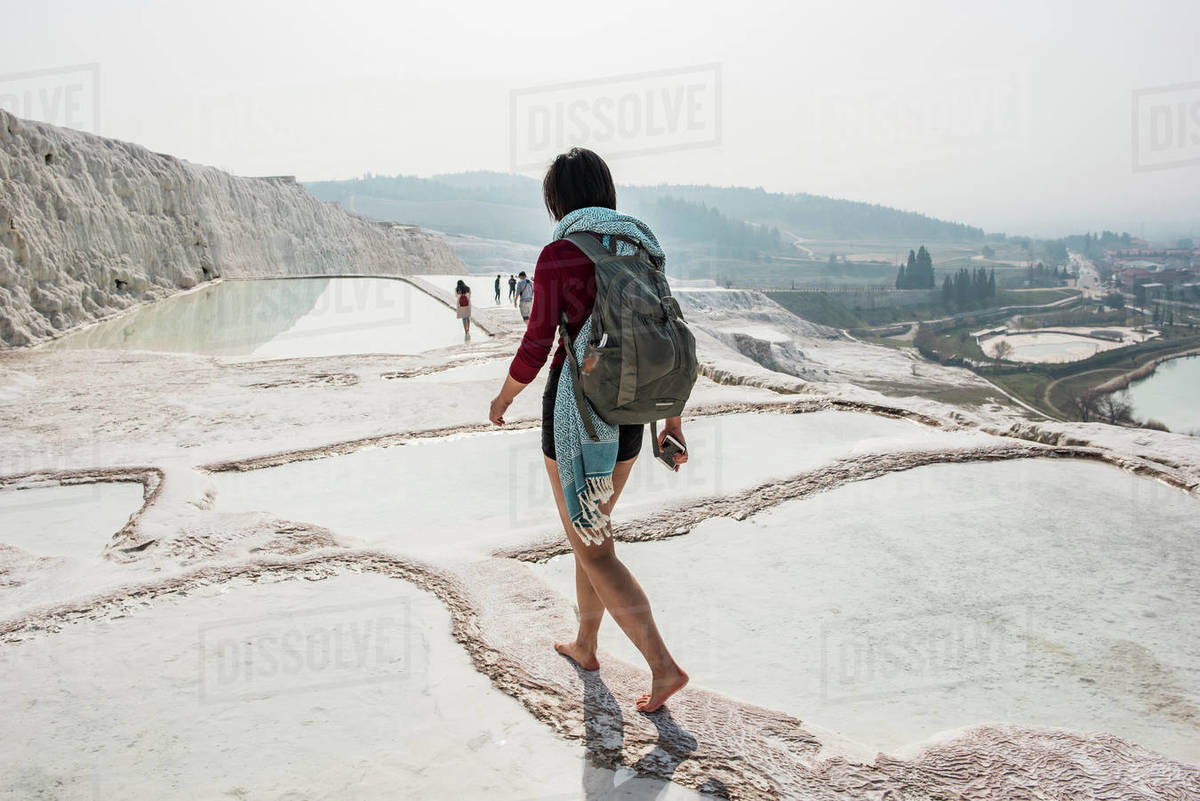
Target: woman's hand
(500, 405)
(674, 427)
(508, 393)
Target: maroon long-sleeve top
(564, 280)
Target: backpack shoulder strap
(590, 246)
(576, 385)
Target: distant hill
(818, 217)
(730, 221)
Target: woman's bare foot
(661, 688)
(580, 655)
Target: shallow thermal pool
(349, 687)
(282, 319)
(1044, 347)
(1171, 395)
(1040, 592)
(67, 520)
(467, 495)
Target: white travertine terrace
(90, 226)
(339, 486)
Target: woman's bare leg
(591, 609)
(618, 592)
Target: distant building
(1132, 277)
(1133, 253)
(1154, 291)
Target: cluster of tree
(945, 349)
(968, 288)
(1093, 245)
(917, 273)
(673, 218)
(1105, 407)
(1043, 276)
(837, 265)
(1055, 251)
(926, 341)
(1051, 250)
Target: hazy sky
(1014, 116)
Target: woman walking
(579, 194)
(463, 311)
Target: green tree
(925, 269)
(925, 341)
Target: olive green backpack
(640, 362)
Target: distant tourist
(587, 476)
(463, 292)
(512, 289)
(497, 289)
(525, 296)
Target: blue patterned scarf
(585, 466)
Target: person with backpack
(612, 372)
(463, 310)
(497, 289)
(512, 289)
(524, 296)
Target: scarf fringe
(592, 526)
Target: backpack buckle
(668, 305)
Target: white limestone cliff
(90, 226)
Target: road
(796, 242)
(1089, 278)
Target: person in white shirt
(524, 296)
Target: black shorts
(629, 442)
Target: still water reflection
(283, 319)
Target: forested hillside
(734, 221)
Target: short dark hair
(522, 273)
(577, 179)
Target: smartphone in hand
(670, 447)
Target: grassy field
(1028, 386)
(1067, 388)
(827, 309)
(816, 307)
(1032, 297)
